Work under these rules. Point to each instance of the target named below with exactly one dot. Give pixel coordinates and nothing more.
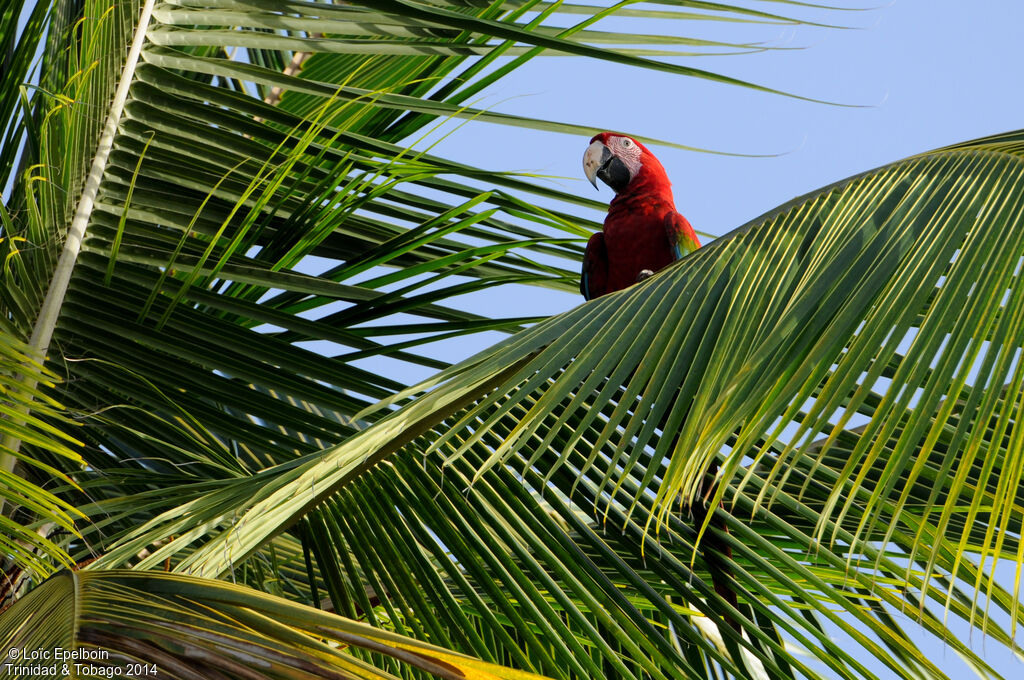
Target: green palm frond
(17, 52)
(47, 427)
(136, 624)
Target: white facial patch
(627, 151)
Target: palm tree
(216, 210)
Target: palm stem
(42, 332)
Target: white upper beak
(595, 155)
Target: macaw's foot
(644, 274)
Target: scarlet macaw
(643, 232)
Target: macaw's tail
(716, 547)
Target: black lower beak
(613, 172)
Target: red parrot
(643, 232)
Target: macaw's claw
(644, 274)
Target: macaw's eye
(626, 142)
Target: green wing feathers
(681, 235)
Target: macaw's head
(621, 162)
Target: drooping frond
(125, 623)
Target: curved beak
(595, 158)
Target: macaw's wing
(681, 236)
(594, 276)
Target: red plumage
(643, 230)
